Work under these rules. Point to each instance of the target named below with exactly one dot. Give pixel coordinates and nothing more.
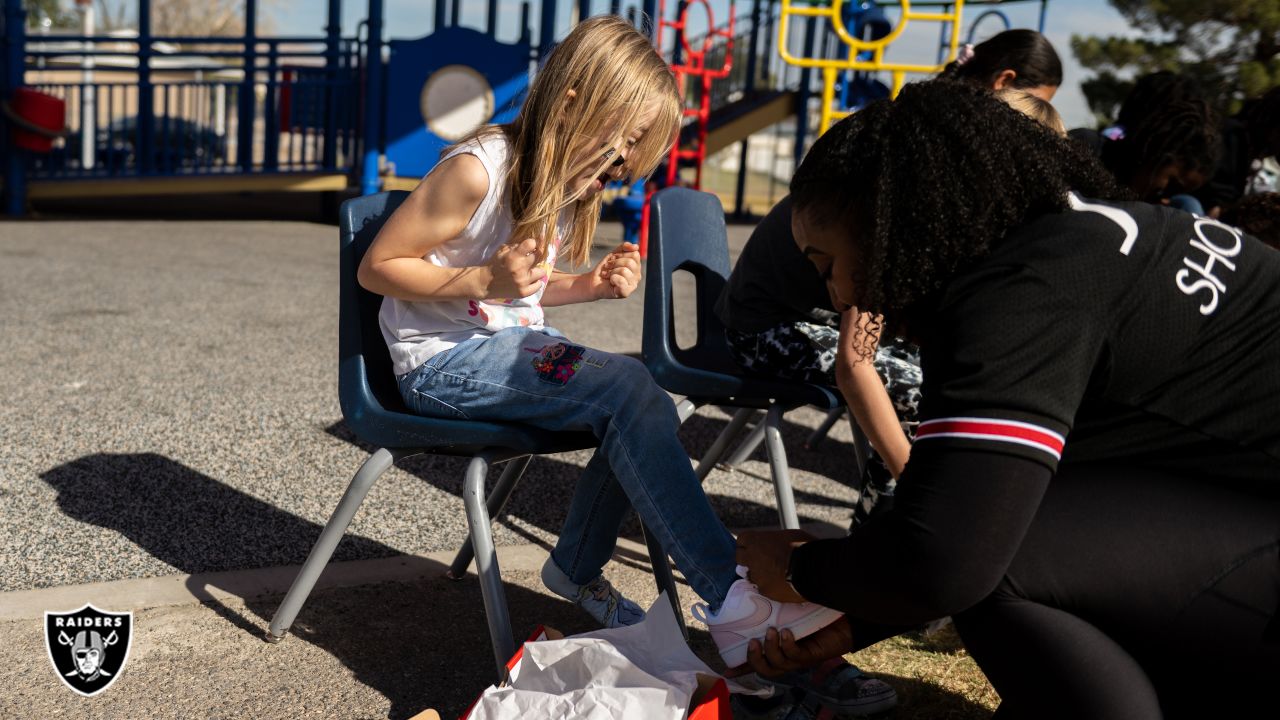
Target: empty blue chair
(687, 233)
(374, 411)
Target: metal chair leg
(495, 599)
(778, 467)
(748, 445)
(726, 436)
(663, 577)
(498, 498)
(820, 433)
(332, 533)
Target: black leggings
(1132, 596)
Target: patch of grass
(933, 674)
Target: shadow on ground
(921, 700)
(187, 519)
(556, 478)
(831, 458)
(401, 639)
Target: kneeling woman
(1094, 494)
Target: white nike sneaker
(747, 615)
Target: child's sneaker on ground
(747, 615)
(599, 598)
(796, 704)
(840, 686)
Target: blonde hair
(614, 75)
(1036, 108)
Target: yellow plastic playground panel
(854, 54)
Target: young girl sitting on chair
(468, 261)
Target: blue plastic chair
(687, 233)
(374, 411)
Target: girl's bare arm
(616, 276)
(437, 211)
(867, 398)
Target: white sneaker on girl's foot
(599, 598)
(747, 615)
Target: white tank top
(416, 331)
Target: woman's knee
(1047, 663)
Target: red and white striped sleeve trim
(1007, 431)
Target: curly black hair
(1026, 52)
(928, 183)
(1153, 90)
(1257, 215)
(1167, 120)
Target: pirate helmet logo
(88, 647)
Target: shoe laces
(600, 589)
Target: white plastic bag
(642, 672)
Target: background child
(1017, 59)
(465, 265)
(1165, 143)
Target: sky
(413, 18)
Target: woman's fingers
(759, 662)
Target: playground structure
(150, 114)
(858, 34)
(692, 61)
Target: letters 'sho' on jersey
(1124, 332)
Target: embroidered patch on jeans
(557, 363)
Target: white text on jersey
(1205, 257)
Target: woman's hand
(767, 555)
(781, 653)
(514, 271)
(618, 274)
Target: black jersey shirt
(1124, 334)
(1114, 332)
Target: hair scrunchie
(965, 55)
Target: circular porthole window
(456, 100)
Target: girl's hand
(618, 274)
(514, 271)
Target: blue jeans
(538, 378)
